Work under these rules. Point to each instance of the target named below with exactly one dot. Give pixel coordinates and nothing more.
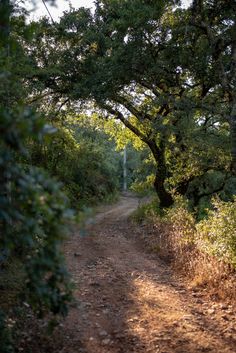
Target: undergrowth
(204, 251)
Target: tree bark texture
(166, 200)
(233, 136)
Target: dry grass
(198, 269)
(218, 277)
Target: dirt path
(128, 300)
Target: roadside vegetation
(202, 251)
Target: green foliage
(182, 221)
(216, 235)
(34, 212)
(5, 335)
(33, 216)
(83, 160)
(143, 187)
(147, 211)
(212, 183)
(147, 65)
(98, 170)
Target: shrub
(146, 211)
(216, 235)
(33, 210)
(5, 336)
(143, 187)
(182, 221)
(204, 252)
(34, 215)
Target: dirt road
(129, 301)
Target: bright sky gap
(39, 10)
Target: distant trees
(82, 159)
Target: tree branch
(118, 115)
(137, 113)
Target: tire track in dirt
(129, 301)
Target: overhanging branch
(133, 110)
(118, 115)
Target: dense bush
(203, 251)
(182, 221)
(147, 211)
(34, 212)
(83, 160)
(5, 336)
(216, 235)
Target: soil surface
(128, 300)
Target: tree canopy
(156, 68)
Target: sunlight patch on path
(162, 321)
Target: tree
(214, 23)
(112, 59)
(135, 61)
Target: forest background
(151, 76)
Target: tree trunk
(165, 197)
(166, 200)
(182, 187)
(158, 152)
(233, 136)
